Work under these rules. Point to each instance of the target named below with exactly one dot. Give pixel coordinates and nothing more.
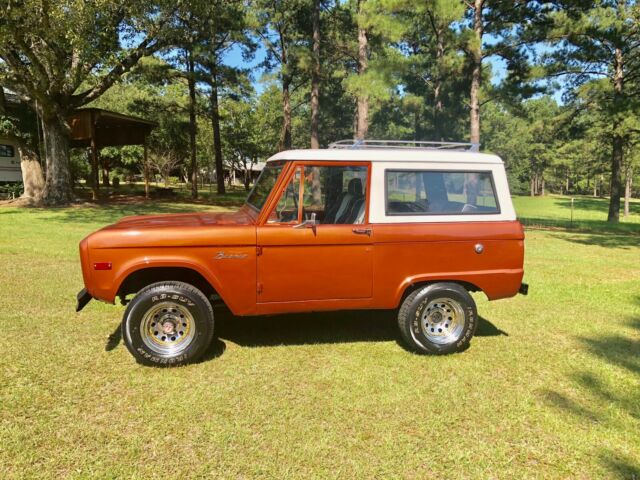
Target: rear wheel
(439, 318)
(168, 323)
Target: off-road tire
(438, 301)
(177, 300)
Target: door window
(336, 194)
(330, 194)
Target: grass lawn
(550, 387)
(589, 213)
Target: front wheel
(439, 318)
(167, 324)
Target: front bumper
(83, 298)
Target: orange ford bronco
(361, 225)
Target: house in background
(238, 172)
(10, 171)
(11, 107)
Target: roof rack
(412, 144)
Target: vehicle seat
(357, 216)
(348, 213)
(340, 206)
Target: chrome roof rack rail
(411, 144)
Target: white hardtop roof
(388, 155)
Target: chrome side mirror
(308, 223)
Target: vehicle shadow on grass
(607, 240)
(305, 329)
(622, 351)
(315, 328)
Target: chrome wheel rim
(443, 321)
(167, 329)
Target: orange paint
(262, 268)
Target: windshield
(264, 185)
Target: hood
(177, 230)
(177, 220)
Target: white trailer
(10, 171)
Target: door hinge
(259, 288)
(258, 251)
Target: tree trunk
(145, 167)
(315, 77)
(542, 185)
(215, 125)
(362, 125)
(32, 177)
(533, 185)
(618, 144)
(57, 187)
(192, 124)
(476, 72)
(285, 134)
(627, 189)
(105, 171)
(437, 88)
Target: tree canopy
(552, 87)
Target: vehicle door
(316, 243)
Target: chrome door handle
(362, 231)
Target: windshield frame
(281, 165)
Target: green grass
(550, 387)
(589, 213)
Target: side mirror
(308, 223)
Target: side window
(286, 210)
(332, 194)
(440, 192)
(7, 151)
(336, 194)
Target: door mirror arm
(308, 223)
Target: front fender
(232, 277)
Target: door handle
(362, 231)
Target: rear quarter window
(439, 192)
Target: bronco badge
(230, 256)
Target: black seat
(354, 199)
(341, 204)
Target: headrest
(355, 187)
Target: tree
(371, 64)
(362, 111)
(601, 39)
(315, 76)
(435, 74)
(280, 26)
(501, 20)
(48, 49)
(224, 26)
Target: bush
(116, 182)
(11, 190)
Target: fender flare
(175, 262)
